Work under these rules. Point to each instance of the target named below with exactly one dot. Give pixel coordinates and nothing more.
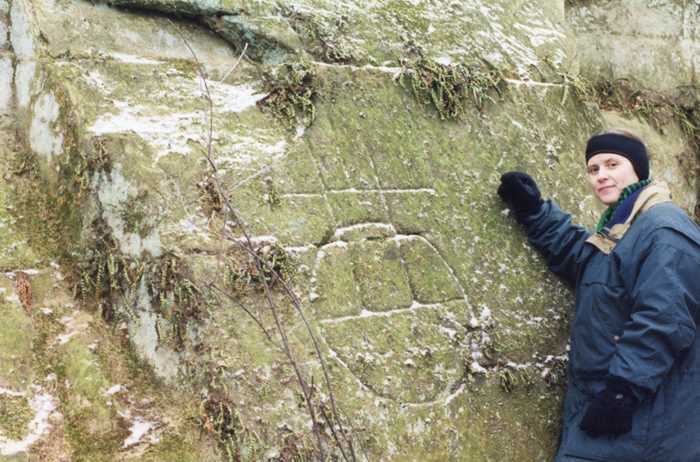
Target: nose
(601, 175)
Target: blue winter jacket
(637, 307)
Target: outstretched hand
(520, 192)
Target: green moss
(335, 285)
(430, 277)
(172, 447)
(326, 37)
(94, 428)
(412, 17)
(380, 275)
(15, 415)
(16, 337)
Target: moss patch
(15, 414)
(326, 37)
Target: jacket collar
(655, 193)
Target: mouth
(605, 189)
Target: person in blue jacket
(633, 391)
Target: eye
(593, 169)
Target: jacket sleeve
(560, 242)
(666, 297)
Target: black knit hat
(630, 148)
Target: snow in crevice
(43, 405)
(139, 428)
(178, 132)
(44, 139)
(132, 59)
(114, 193)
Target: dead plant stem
(248, 246)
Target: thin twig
(235, 65)
(247, 311)
(259, 267)
(296, 303)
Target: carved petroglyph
(401, 294)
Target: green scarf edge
(607, 215)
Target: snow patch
(64, 338)
(6, 72)
(233, 98)
(131, 59)
(42, 137)
(24, 77)
(114, 389)
(42, 405)
(114, 191)
(540, 35)
(144, 335)
(139, 429)
(175, 132)
(20, 32)
(258, 240)
(168, 132)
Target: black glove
(611, 411)
(520, 192)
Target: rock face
(631, 40)
(289, 213)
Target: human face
(608, 175)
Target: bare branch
(233, 215)
(235, 65)
(247, 311)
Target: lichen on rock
(304, 239)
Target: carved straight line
(243, 182)
(416, 306)
(333, 354)
(451, 270)
(383, 191)
(395, 71)
(362, 226)
(362, 191)
(531, 83)
(300, 248)
(367, 67)
(442, 399)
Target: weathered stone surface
(69, 389)
(639, 40)
(441, 331)
(531, 43)
(4, 17)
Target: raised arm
(549, 229)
